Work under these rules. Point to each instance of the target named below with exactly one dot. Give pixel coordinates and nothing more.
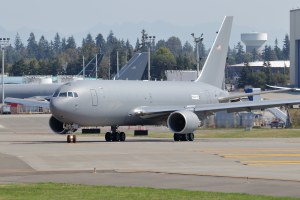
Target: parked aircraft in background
(36, 94)
(182, 106)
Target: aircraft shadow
(90, 141)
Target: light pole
(197, 40)
(3, 42)
(150, 41)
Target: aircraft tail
(214, 68)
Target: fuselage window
(75, 94)
(63, 94)
(70, 94)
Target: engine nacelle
(183, 121)
(57, 126)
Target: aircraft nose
(57, 108)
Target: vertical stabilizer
(214, 68)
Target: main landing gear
(184, 137)
(115, 135)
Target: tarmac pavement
(29, 153)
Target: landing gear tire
(71, 139)
(122, 137)
(68, 139)
(176, 137)
(184, 137)
(116, 137)
(74, 140)
(108, 137)
(191, 136)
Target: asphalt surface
(30, 153)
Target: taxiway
(29, 152)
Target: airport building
(295, 47)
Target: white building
(181, 75)
(295, 47)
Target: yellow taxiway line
(259, 155)
(271, 162)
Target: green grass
(225, 133)
(238, 133)
(53, 191)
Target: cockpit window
(63, 94)
(66, 94)
(56, 93)
(70, 94)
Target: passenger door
(94, 97)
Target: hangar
(295, 47)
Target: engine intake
(183, 121)
(57, 126)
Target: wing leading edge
(154, 111)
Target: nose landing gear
(71, 139)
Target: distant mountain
(161, 30)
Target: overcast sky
(70, 17)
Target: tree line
(62, 56)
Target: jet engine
(183, 122)
(57, 126)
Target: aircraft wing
(206, 109)
(288, 88)
(237, 96)
(27, 102)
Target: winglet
(214, 67)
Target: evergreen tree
(88, 47)
(19, 46)
(70, 43)
(57, 44)
(277, 50)
(100, 43)
(245, 77)
(43, 48)
(129, 50)
(63, 44)
(19, 68)
(187, 49)
(255, 55)
(231, 55)
(268, 72)
(32, 47)
(286, 48)
(240, 53)
(19, 50)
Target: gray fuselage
(107, 103)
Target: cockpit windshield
(56, 93)
(65, 94)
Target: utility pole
(96, 76)
(117, 64)
(149, 40)
(109, 68)
(83, 68)
(4, 42)
(197, 40)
